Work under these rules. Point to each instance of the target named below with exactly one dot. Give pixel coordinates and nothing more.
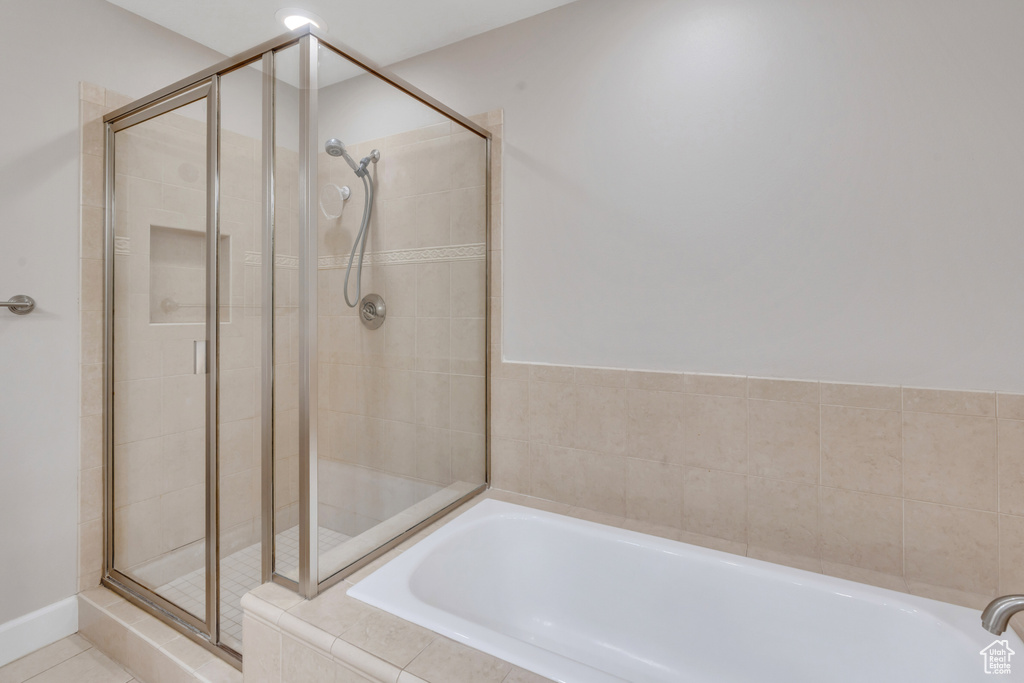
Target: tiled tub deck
(336, 638)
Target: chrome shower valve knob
(372, 311)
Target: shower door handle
(199, 359)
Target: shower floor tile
(239, 574)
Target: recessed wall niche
(177, 275)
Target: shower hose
(360, 243)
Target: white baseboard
(26, 634)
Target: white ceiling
(385, 31)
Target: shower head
(336, 148)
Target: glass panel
(401, 421)
(241, 354)
(159, 328)
(286, 314)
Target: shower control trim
(372, 311)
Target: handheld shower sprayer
(336, 148)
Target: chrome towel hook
(20, 304)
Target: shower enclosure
(260, 424)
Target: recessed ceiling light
(294, 18)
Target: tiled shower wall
(407, 398)
(159, 482)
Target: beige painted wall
(825, 191)
(40, 402)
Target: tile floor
(71, 660)
(240, 573)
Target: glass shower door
(162, 356)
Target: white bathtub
(580, 602)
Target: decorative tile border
(461, 252)
(255, 258)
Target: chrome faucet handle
(996, 616)
(20, 304)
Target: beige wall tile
(951, 595)
(92, 337)
(510, 409)
(469, 217)
(715, 503)
(782, 516)
(1011, 466)
(469, 159)
(951, 547)
(433, 344)
(1010, 406)
(602, 419)
(861, 575)
(654, 492)
(431, 132)
(92, 389)
(433, 399)
(510, 465)
(451, 662)
(302, 663)
(390, 638)
(415, 222)
(90, 546)
(792, 390)
(657, 426)
(553, 413)
(468, 462)
(655, 381)
(950, 459)
(715, 385)
(92, 285)
(91, 442)
(552, 373)
(93, 218)
(467, 289)
(501, 369)
(716, 432)
(602, 483)
(953, 402)
(861, 396)
(862, 449)
(796, 561)
(862, 530)
(434, 455)
(784, 440)
(600, 377)
(92, 180)
(400, 284)
(468, 409)
(433, 290)
(91, 93)
(90, 494)
(554, 473)
(1011, 554)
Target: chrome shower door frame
(309, 584)
(206, 630)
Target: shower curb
(147, 648)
